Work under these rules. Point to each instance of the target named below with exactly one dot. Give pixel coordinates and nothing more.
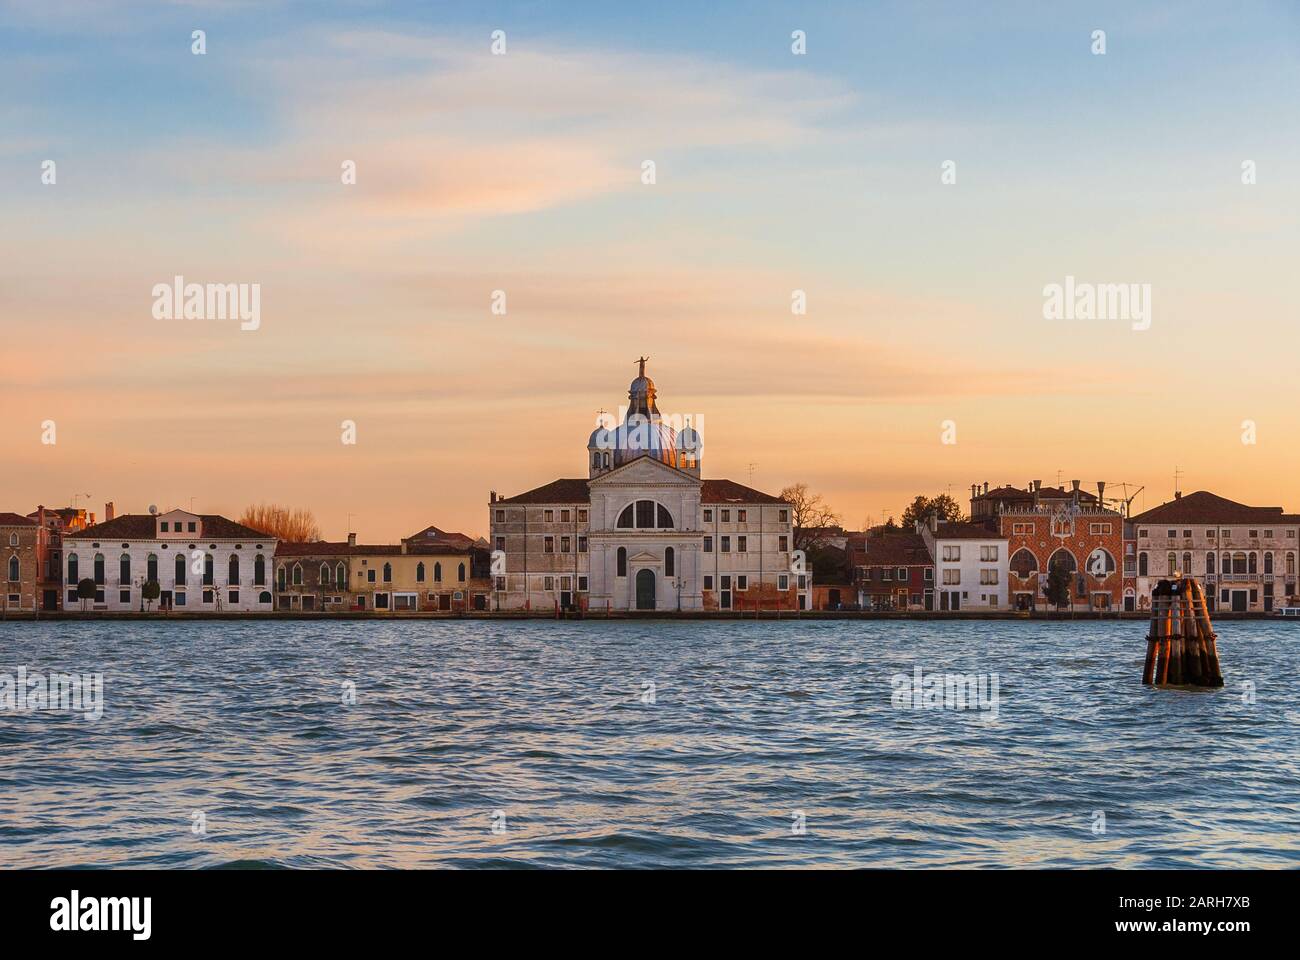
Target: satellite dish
(153, 509)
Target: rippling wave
(481, 744)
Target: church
(643, 530)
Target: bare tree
(294, 525)
(811, 515)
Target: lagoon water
(496, 744)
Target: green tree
(86, 590)
(922, 506)
(1057, 588)
(150, 592)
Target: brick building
(20, 551)
(893, 570)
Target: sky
(523, 172)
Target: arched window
(72, 567)
(1172, 560)
(1187, 563)
(326, 575)
(1209, 563)
(208, 570)
(644, 515)
(13, 539)
(595, 460)
(1142, 564)
(622, 561)
(1252, 563)
(259, 570)
(1290, 564)
(151, 568)
(297, 574)
(437, 572)
(1268, 564)
(281, 577)
(13, 570)
(124, 569)
(460, 573)
(233, 572)
(1239, 562)
(99, 569)
(605, 460)
(1063, 558)
(341, 576)
(1100, 563)
(1023, 562)
(388, 573)
(670, 562)
(181, 570)
(264, 597)
(419, 572)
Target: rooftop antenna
(1178, 476)
(751, 473)
(77, 496)
(1058, 477)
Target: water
(544, 722)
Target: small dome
(689, 440)
(601, 439)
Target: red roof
(728, 491)
(327, 548)
(1205, 507)
(14, 520)
(966, 531)
(893, 550)
(141, 526)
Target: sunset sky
(522, 173)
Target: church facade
(644, 531)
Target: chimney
(1075, 484)
(1101, 493)
(974, 490)
(492, 497)
(1178, 494)
(986, 486)
(109, 512)
(934, 521)
(352, 539)
(1038, 486)
(403, 548)
(92, 521)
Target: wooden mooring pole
(1182, 648)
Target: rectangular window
(207, 596)
(726, 516)
(582, 544)
(72, 597)
(1022, 529)
(548, 516)
(548, 545)
(952, 576)
(500, 583)
(929, 573)
(886, 574)
(708, 582)
(193, 527)
(1253, 534)
(740, 517)
(370, 576)
(988, 553)
(988, 577)
(742, 582)
(1099, 529)
(233, 596)
(582, 516)
(742, 544)
(726, 544)
(566, 545)
(951, 553)
(124, 596)
(783, 582)
(1142, 533)
(582, 584)
(564, 516)
(1209, 534)
(501, 543)
(1268, 534)
(1172, 534)
(180, 599)
(902, 573)
(164, 526)
(548, 583)
(783, 544)
(501, 516)
(726, 581)
(708, 544)
(708, 516)
(783, 516)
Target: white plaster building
(1244, 556)
(643, 531)
(970, 565)
(202, 563)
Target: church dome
(643, 433)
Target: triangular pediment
(644, 557)
(645, 470)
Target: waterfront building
(644, 530)
(1244, 556)
(20, 563)
(893, 570)
(202, 563)
(429, 571)
(54, 523)
(1046, 527)
(970, 563)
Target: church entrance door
(645, 590)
